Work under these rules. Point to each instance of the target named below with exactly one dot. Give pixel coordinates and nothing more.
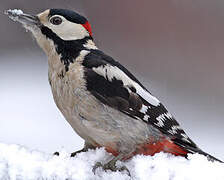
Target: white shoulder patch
(109, 72)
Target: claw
(124, 168)
(97, 165)
(111, 165)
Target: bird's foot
(111, 165)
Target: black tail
(192, 148)
(210, 157)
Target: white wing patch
(145, 95)
(174, 129)
(162, 118)
(109, 72)
(185, 137)
(146, 117)
(143, 109)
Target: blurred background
(175, 47)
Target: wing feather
(115, 86)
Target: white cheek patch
(68, 30)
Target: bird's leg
(87, 146)
(111, 165)
(79, 151)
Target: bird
(102, 100)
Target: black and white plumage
(103, 102)
(115, 86)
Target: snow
(14, 11)
(18, 162)
(14, 14)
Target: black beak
(25, 19)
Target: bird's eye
(56, 20)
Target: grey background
(175, 47)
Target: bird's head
(65, 28)
(66, 24)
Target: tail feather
(209, 157)
(195, 149)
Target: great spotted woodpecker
(103, 102)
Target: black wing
(115, 86)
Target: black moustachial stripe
(69, 50)
(69, 15)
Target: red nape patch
(165, 146)
(88, 27)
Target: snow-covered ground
(19, 163)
